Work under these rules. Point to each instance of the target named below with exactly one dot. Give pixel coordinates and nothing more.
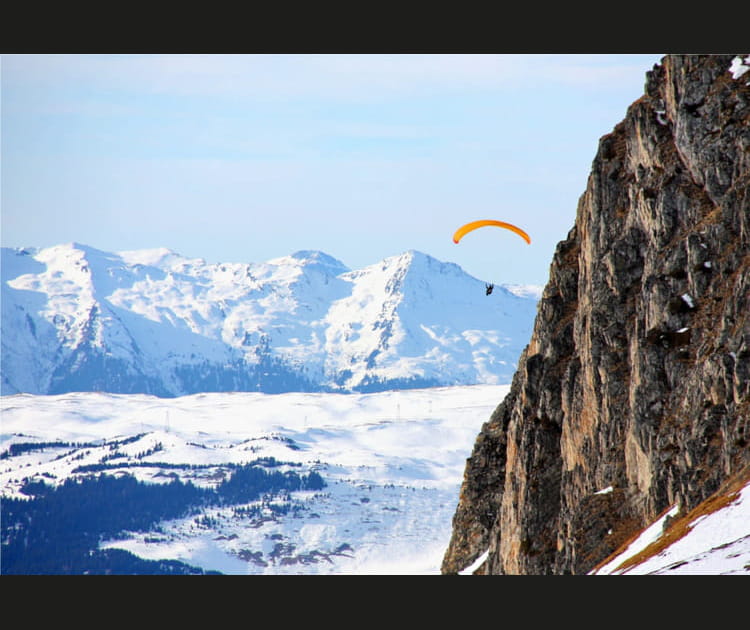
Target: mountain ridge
(78, 318)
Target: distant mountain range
(75, 318)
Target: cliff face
(637, 374)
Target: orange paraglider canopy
(473, 225)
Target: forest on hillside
(58, 530)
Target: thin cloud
(333, 77)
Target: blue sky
(243, 158)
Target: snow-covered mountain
(75, 318)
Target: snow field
(392, 461)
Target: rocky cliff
(637, 374)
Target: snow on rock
(476, 564)
(739, 66)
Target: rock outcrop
(636, 379)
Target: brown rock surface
(637, 375)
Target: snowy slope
(75, 318)
(392, 463)
(712, 539)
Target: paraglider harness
(489, 288)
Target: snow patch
(739, 66)
(648, 536)
(476, 564)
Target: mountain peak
(311, 259)
(315, 257)
(416, 260)
(74, 246)
(153, 257)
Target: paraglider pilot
(473, 225)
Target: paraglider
(473, 225)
